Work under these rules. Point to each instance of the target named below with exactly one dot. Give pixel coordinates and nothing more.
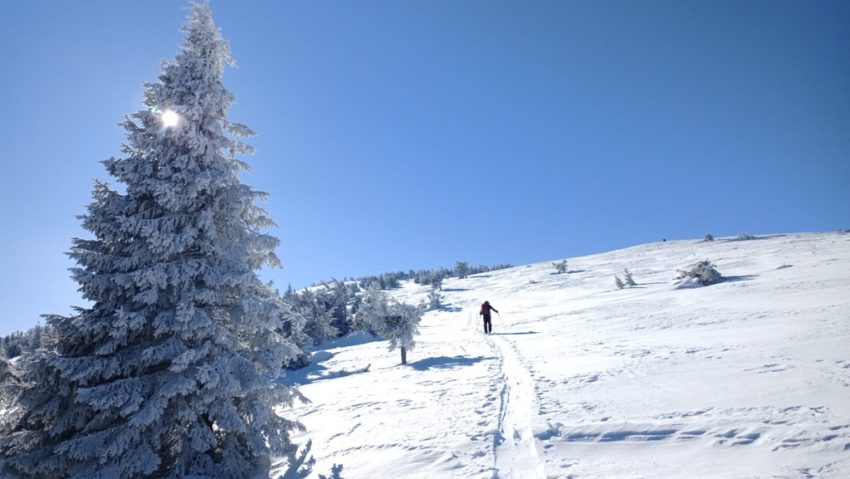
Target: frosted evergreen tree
(318, 316)
(339, 296)
(23, 342)
(400, 326)
(373, 304)
(619, 282)
(396, 322)
(170, 372)
(461, 269)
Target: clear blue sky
(397, 135)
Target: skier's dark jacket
(485, 310)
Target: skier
(485, 311)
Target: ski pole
(500, 319)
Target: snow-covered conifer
(318, 316)
(23, 342)
(399, 327)
(708, 237)
(170, 372)
(340, 296)
(619, 282)
(461, 269)
(394, 321)
(373, 303)
(291, 324)
(560, 267)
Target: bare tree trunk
(403, 355)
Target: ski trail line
(515, 446)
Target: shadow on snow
(747, 238)
(445, 362)
(517, 333)
(450, 308)
(316, 371)
(301, 465)
(353, 339)
(735, 279)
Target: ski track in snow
(515, 446)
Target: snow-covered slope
(747, 378)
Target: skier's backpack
(485, 309)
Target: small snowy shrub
(435, 300)
(704, 272)
(708, 237)
(619, 282)
(628, 277)
(745, 236)
(560, 267)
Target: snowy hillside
(746, 378)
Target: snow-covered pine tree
(618, 282)
(373, 303)
(339, 295)
(170, 372)
(318, 314)
(400, 326)
(396, 322)
(461, 269)
(23, 342)
(291, 325)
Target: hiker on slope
(485, 311)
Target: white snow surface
(748, 378)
